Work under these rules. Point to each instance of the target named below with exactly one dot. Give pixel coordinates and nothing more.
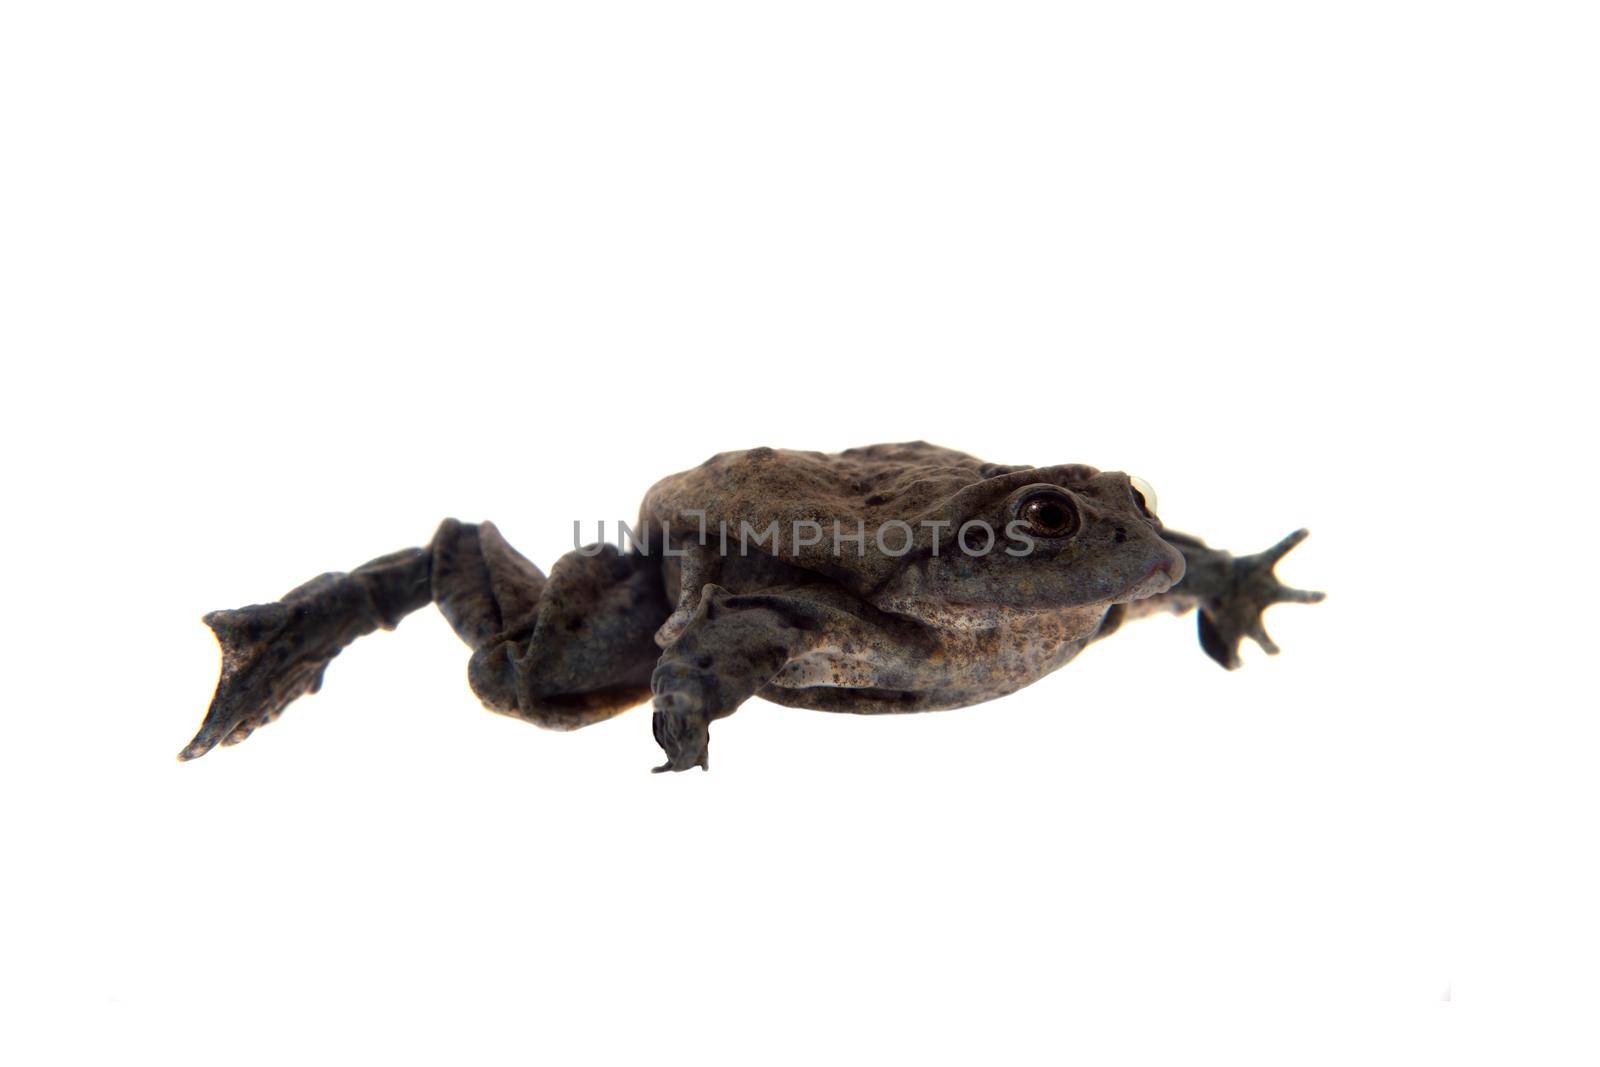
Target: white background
(284, 284)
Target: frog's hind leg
(581, 651)
(562, 651)
(274, 653)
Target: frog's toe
(1258, 634)
(1284, 547)
(1223, 649)
(1255, 580)
(682, 732)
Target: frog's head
(1066, 540)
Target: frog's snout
(1164, 571)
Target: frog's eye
(1144, 495)
(1049, 514)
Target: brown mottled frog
(892, 578)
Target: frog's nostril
(1172, 563)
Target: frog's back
(756, 488)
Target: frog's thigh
(586, 651)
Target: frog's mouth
(1162, 575)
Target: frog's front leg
(1231, 592)
(732, 646)
(1228, 592)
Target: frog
(891, 578)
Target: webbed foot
(1229, 617)
(273, 654)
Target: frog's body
(884, 579)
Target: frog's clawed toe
(1227, 619)
(264, 668)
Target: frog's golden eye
(1049, 514)
(1144, 495)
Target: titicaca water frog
(891, 578)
